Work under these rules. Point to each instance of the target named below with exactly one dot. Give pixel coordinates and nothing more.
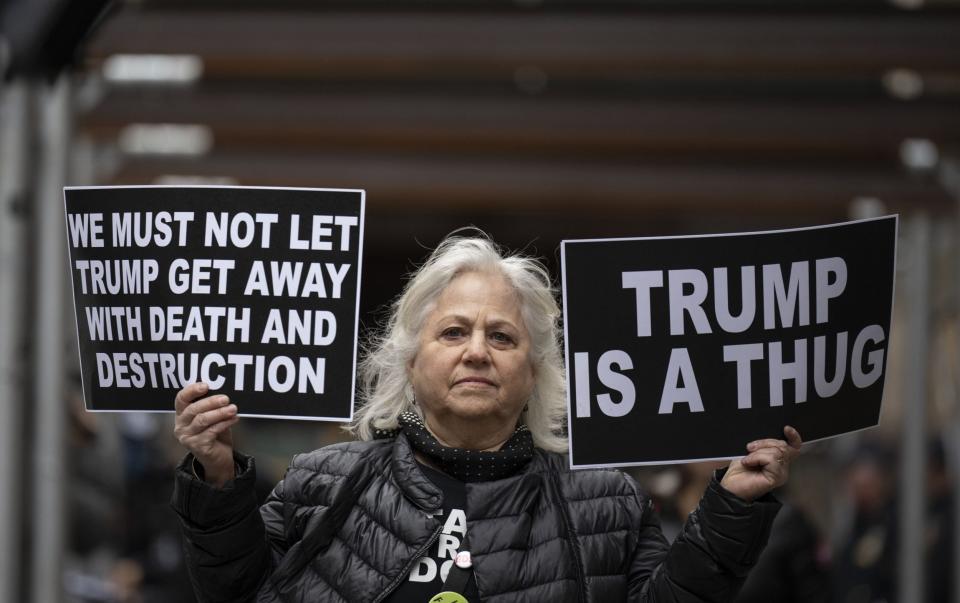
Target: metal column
(14, 146)
(953, 446)
(950, 179)
(913, 462)
(49, 340)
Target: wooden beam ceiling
(622, 112)
(473, 44)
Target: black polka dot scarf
(470, 465)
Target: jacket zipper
(406, 569)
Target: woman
(458, 453)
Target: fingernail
(232, 408)
(751, 445)
(203, 386)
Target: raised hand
(202, 426)
(766, 467)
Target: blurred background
(536, 120)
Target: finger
(766, 443)
(222, 426)
(770, 459)
(206, 420)
(793, 437)
(188, 394)
(756, 460)
(203, 405)
(183, 423)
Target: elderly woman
(456, 490)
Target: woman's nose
(477, 350)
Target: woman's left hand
(765, 467)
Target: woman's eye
(452, 332)
(501, 337)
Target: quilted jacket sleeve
(228, 552)
(712, 555)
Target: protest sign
(687, 348)
(252, 290)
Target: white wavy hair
(385, 388)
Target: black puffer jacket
(546, 534)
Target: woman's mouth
(478, 381)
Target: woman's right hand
(202, 426)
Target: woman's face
(473, 369)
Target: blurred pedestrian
(866, 561)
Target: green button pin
(448, 597)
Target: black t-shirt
(429, 572)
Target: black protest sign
(688, 348)
(253, 290)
